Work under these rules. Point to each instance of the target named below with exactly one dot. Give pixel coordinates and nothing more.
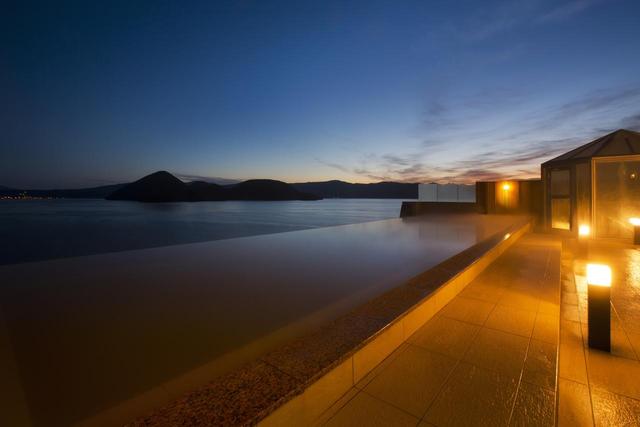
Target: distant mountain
(346, 190)
(267, 189)
(82, 193)
(208, 191)
(164, 187)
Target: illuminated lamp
(599, 310)
(506, 187)
(584, 230)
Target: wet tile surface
(479, 361)
(574, 404)
(474, 395)
(540, 364)
(366, 410)
(535, 406)
(412, 380)
(598, 386)
(468, 310)
(446, 336)
(498, 351)
(615, 410)
(512, 320)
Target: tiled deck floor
(594, 386)
(487, 358)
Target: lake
(35, 230)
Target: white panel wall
(447, 193)
(427, 192)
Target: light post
(599, 300)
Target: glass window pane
(560, 214)
(560, 182)
(617, 197)
(583, 193)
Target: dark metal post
(599, 310)
(600, 317)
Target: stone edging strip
(295, 384)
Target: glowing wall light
(584, 230)
(506, 194)
(599, 310)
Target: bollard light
(599, 310)
(636, 230)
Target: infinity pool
(104, 338)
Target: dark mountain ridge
(164, 187)
(201, 190)
(267, 189)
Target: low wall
(410, 209)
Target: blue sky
(299, 91)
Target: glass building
(595, 189)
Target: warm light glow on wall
(599, 275)
(584, 230)
(634, 221)
(506, 194)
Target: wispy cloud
(566, 10)
(458, 145)
(489, 22)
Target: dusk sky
(299, 91)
